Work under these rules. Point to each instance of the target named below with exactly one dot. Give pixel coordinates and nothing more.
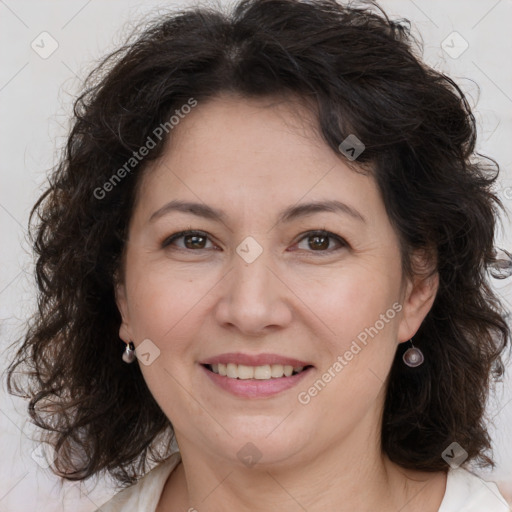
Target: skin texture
(253, 158)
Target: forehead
(245, 153)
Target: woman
(280, 213)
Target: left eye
(319, 241)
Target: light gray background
(35, 99)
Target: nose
(254, 298)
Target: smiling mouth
(263, 372)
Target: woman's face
(261, 288)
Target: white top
(465, 492)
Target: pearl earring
(413, 356)
(129, 353)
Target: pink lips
(255, 388)
(256, 360)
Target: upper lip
(254, 360)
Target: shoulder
(467, 492)
(145, 494)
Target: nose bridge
(251, 278)
(253, 297)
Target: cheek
(359, 321)
(164, 301)
(348, 301)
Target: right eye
(193, 240)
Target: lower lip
(255, 388)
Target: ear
(420, 293)
(125, 332)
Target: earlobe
(122, 306)
(419, 297)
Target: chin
(261, 445)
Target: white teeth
(232, 370)
(264, 372)
(245, 372)
(277, 371)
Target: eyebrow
(288, 214)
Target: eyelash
(320, 232)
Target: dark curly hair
(362, 74)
